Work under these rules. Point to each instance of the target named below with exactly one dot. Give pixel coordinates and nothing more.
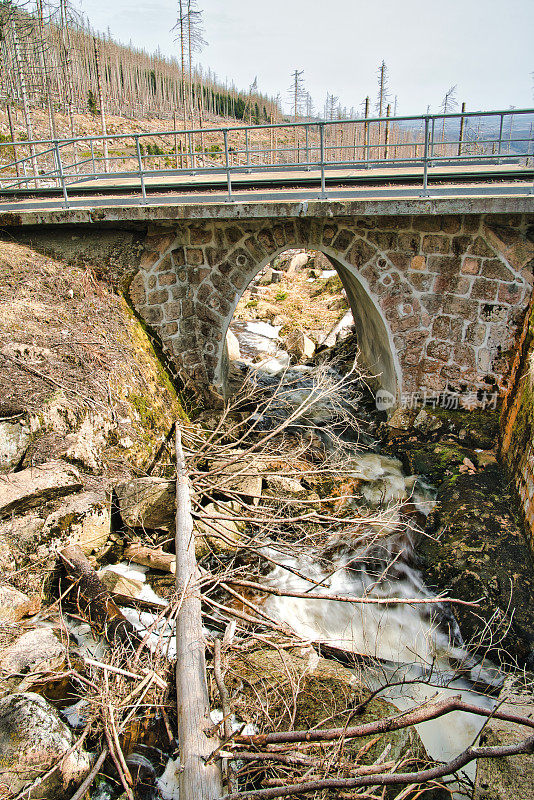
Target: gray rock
(426, 422)
(86, 445)
(299, 345)
(240, 477)
(14, 439)
(119, 584)
(511, 777)
(15, 605)
(85, 519)
(147, 503)
(20, 491)
(217, 533)
(32, 739)
(38, 650)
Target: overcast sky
(483, 46)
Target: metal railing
(418, 148)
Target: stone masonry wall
(451, 291)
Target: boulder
(15, 605)
(33, 738)
(38, 650)
(14, 439)
(85, 519)
(120, 584)
(218, 534)
(513, 776)
(282, 486)
(277, 689)
(86, 445)
(237, 476)
(297, 263)
(299, 345)
(20, 491)
(147, 503)
(232, 346)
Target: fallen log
(153, 557)
(95, 602)
(198, 780)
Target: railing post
(462, 125)
(321, 146)
(140, 163)
(61, 174)
(500, 137)
(93, 156)
(386, 137)
(227, 158)
(431, 137)
(424, 193)
(246, 148)
(190, 139)
(307, 147)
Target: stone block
(420, 281)
(233, 234)
(158, 297)
(450, 223)
(136, 290)
(409, 241)
(484, 289)
(194, 256)
(439, 350)
(33, 739)
(360, 253)
(15, 605)
(14, 439)
(418, 263)
(200, 234)
(475, 333)
(511, 293)
(167, 278)
(471, 266)
(384, 240)
(426, 223)
(436, 244)
(481, 248)
(147, 503)
(441, 327)
(178, 256)
(494, 268)
(471, 223)
(152, 282)
(343, 240)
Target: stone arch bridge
(438, 287)
(437, 298)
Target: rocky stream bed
(300, 486)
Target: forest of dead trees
(52, 60)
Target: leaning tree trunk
(198, 780)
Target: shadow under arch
(377, 350)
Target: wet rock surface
(480, 553)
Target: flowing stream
(418, 645)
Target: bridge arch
(375, 339)
(438, 300)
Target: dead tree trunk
(94, 600)
(198, 780)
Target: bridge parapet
(437, 299)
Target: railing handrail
(268, 126)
